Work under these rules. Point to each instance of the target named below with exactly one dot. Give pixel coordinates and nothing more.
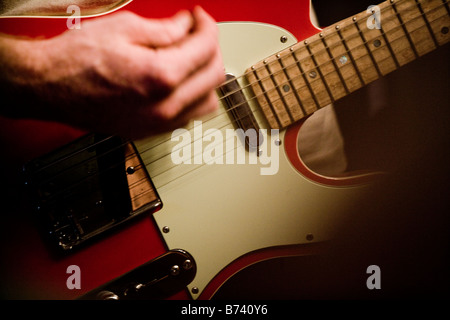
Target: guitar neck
(346, 56)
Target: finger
(144, 126)
(201, 107)
(196, 86)
(195, 51)
(160, 32)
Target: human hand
(122, 74)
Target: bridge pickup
(237, 105)
(88, 187)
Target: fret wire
(436, 44)
(235, 148)
(279, 93)
(313, 58)
(194, 168)
(287, 82)
(348, 51)
(388, 44)
(297, 96)
(338, 70)
(445, 3)
(306, 82)
(361, 19)
(166, 170)
(146, 164)
(178, 149)
(374, 62)
(405, 30)
(302, 74)
(267, 98)
(364, 43)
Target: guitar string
(214, 159)
(302, 74)
(355, 35)
(258, 110)
(302, 60)
(265, 91)
(318, 79)
(225, 125)
(194, 167)
(323, 51)
(355, 22)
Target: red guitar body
(29, 270)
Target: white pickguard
(221, 212)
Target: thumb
(163, 32)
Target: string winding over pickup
(236, 103)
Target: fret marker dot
(343, 59)
(377, 43)
(313, 74)
(286, 88)
(444, 30)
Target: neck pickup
(236, 104)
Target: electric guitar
(176, 215)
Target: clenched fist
(119, 74)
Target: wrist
(21, 75)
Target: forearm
(19, 75)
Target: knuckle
(212, 102)
(164, 114)
(172, 31)
(167, 77)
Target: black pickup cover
(81, 190)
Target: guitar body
(226, 215)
